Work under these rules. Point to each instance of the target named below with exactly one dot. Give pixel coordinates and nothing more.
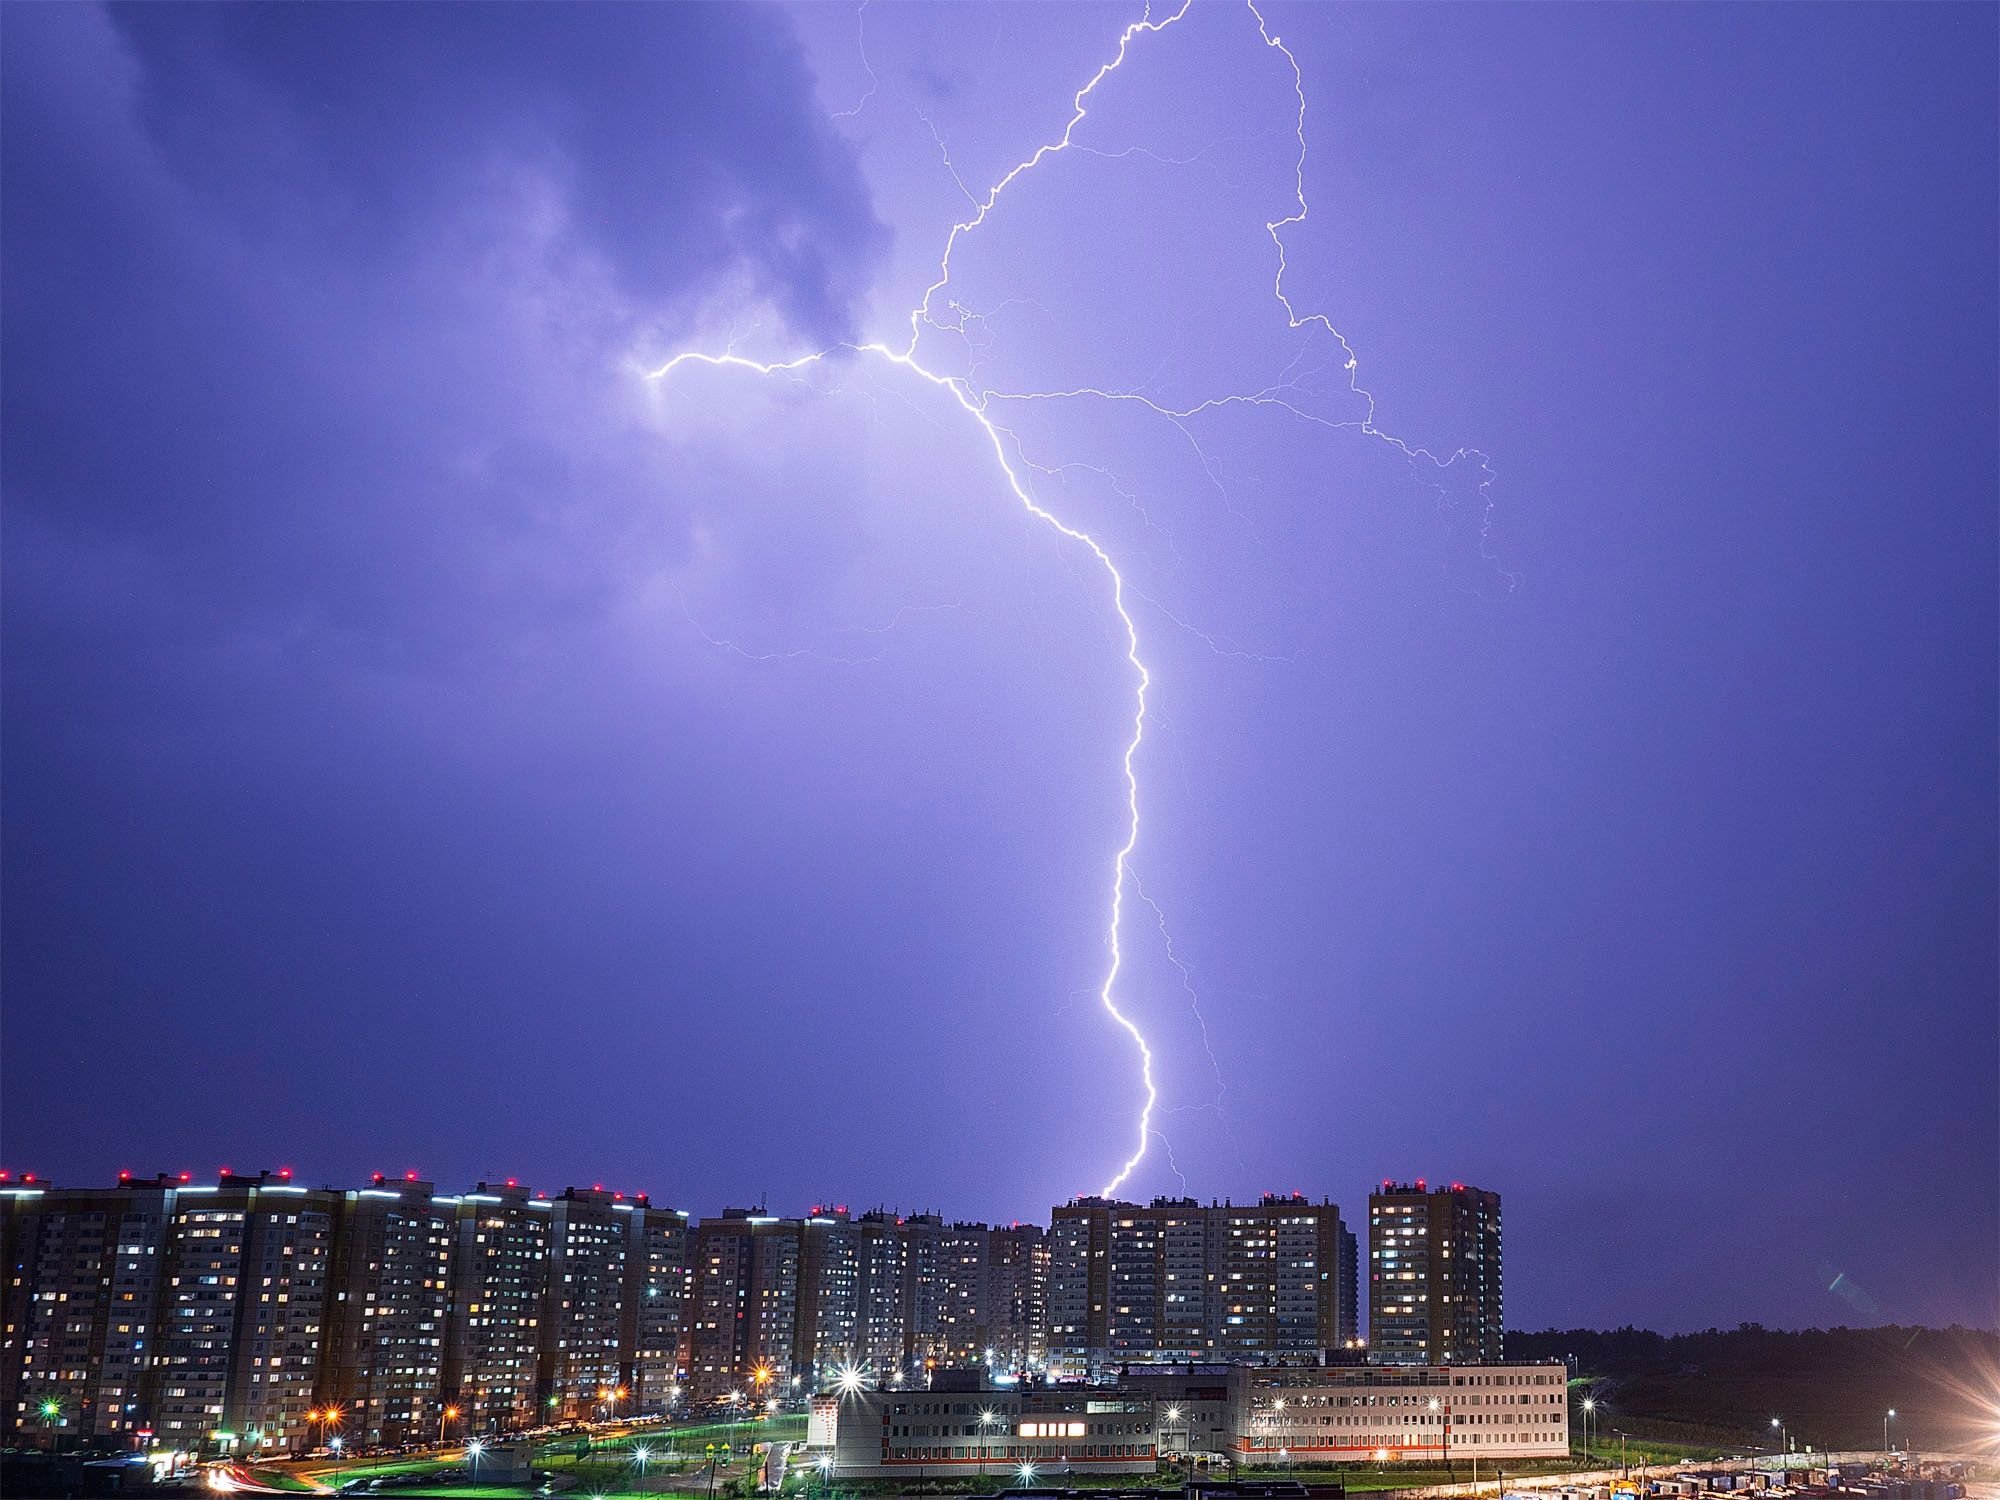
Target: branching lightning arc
(977, 404)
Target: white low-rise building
(1031, 1433)
(1398, 1413)
(1263, 1417)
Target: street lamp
(449, 1414)
(640, 1453)
(1885, 1429)
(472, 1451)
(1784, 1439)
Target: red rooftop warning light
(284, 1171)
(512, 1183)
(409, 1177)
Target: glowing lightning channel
(1276, 229)
(974, 406)
(996, 436)
(1285, 394)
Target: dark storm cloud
(318, 307)
(321, 440)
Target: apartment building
(1434, 1284)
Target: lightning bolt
(974, 406)
(978, 404)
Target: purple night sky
(431, 743)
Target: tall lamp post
(449, 1414)
(1589, 1407)
(1885, 1429)
(1784, 1440)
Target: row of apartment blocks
(232, 1315)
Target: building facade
(499, 1272)
(583, 1307)
(242, 1314)
(1406, 1413)
(1434, 1284)
(1260, 1416)
(651, 1338)
(1018, 1296)
(1027, 1432)
(1176, 1281)
(81, 1308)
(388, 1311)
(1078, 1336)
(744, 1306)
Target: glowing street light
(449, 1414)
(848, 1380)
(1027, 1473)
(1885, 1429)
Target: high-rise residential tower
(500, 1265)
(1434, 1290)
(242, 1314)
(388, 1311)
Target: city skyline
(801, 601)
